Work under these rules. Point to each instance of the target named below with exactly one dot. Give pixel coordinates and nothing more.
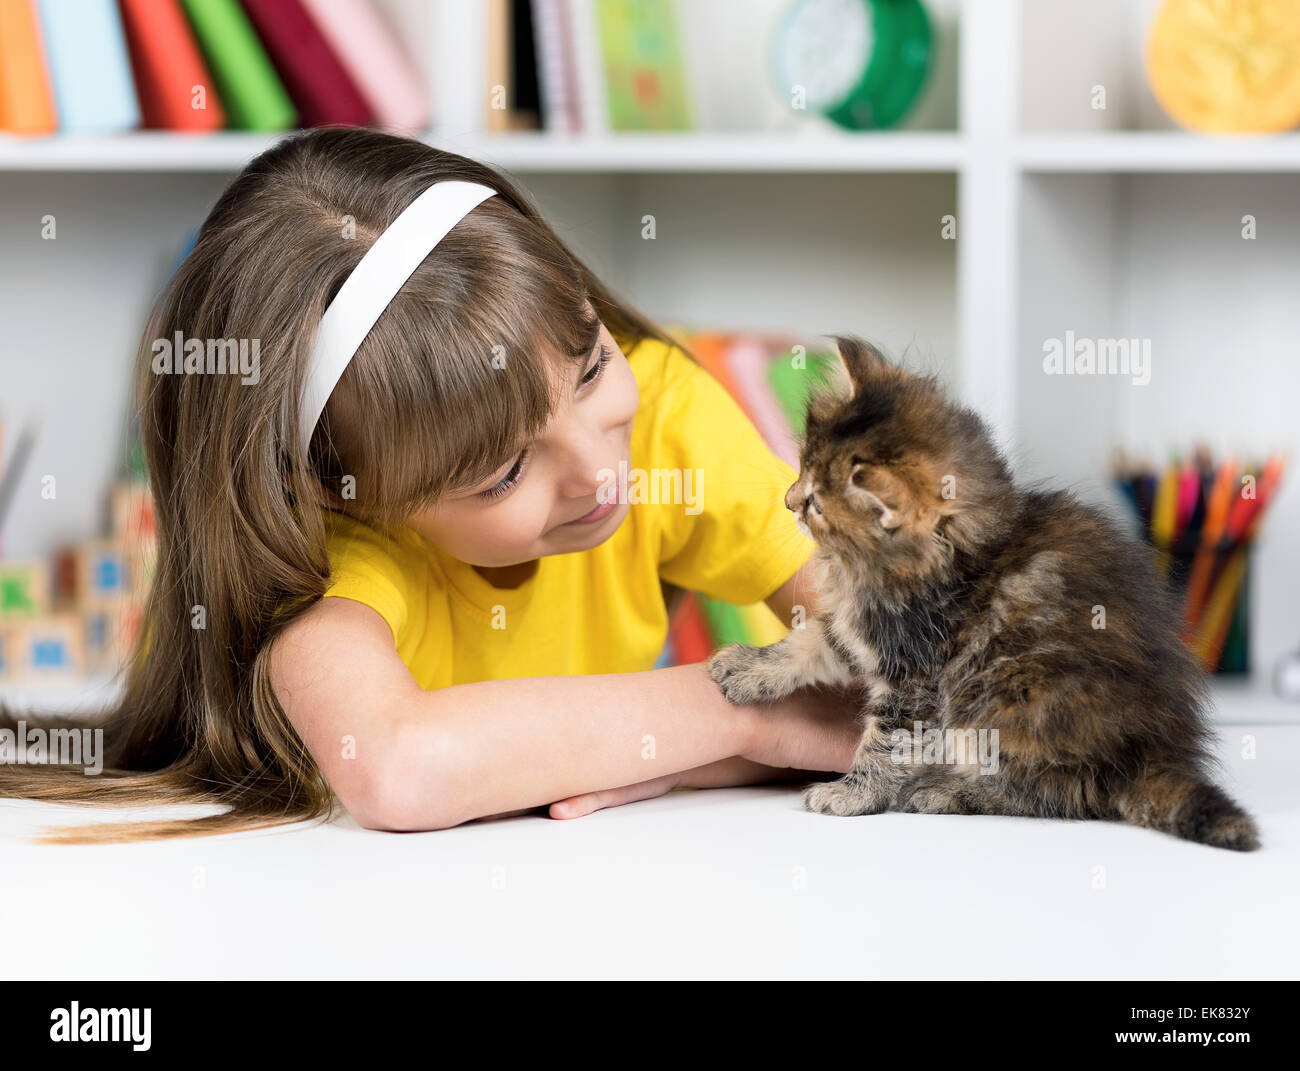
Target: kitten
(957, 601)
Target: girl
(401, 567)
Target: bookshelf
(1107, 222)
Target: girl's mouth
(599, 513)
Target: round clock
(861, 63)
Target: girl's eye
(512, 477)
(594, 372)
(508, 481)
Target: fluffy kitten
(959, 601)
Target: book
(174, 85)
(644, 71)
(556, 66)
(593, 111)
(251, 92)
(26, 97)
(368, 50)
(319, 86)
(90, 72)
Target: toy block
(24, 589)
(142, 562)
(44, 648)
(109, 637)
(92, 575)
(6, 658)
(131, 512)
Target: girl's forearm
(739, 770)
(474, 750)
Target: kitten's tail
(1188, 806)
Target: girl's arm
(401, 758)
(737, 770)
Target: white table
(731, 883)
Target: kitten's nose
(793, 499)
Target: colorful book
(688, 633)
(319, 86)
(792, 385)
(90, 71)
(644, 72)
(369, 52)
(176, 89)
(251, 92)
(26, 98)
(749, 359)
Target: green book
(251, 91)
(641, 57)
(725, 623)
(793, 385)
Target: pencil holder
(1213, 585)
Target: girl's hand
(577, 806)
(736, 770)
(812, 729)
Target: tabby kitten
(957, 601)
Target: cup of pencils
(1201, 517)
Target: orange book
(176, 90)
(26, 101)
(712, 347)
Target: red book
(688, 633)
(313, 75)
(168, 67)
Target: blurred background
(980, 187)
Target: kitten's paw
(741, 676)
(848, 796)
(934, 799)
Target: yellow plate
(1227, 65)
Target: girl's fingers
(577, 806)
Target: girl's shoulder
(387, 570)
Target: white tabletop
(730, 883)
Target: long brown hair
(422, 408)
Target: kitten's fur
(955, 599)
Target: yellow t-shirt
(600, 610)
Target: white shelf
(1158, 151)
(75, 695)
(813, 151)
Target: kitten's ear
(874, 488)
(860, 360)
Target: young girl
(403, 566)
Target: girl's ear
(860, 360)
(874, 488)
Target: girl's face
(538, 504)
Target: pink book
(748, 359)
(381, 71)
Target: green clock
(861, 63)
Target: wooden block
(46, 648)
(24, 589)
(131, 513)
(142, 562)
(92, 575)
(109, 636)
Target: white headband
(374, 282)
